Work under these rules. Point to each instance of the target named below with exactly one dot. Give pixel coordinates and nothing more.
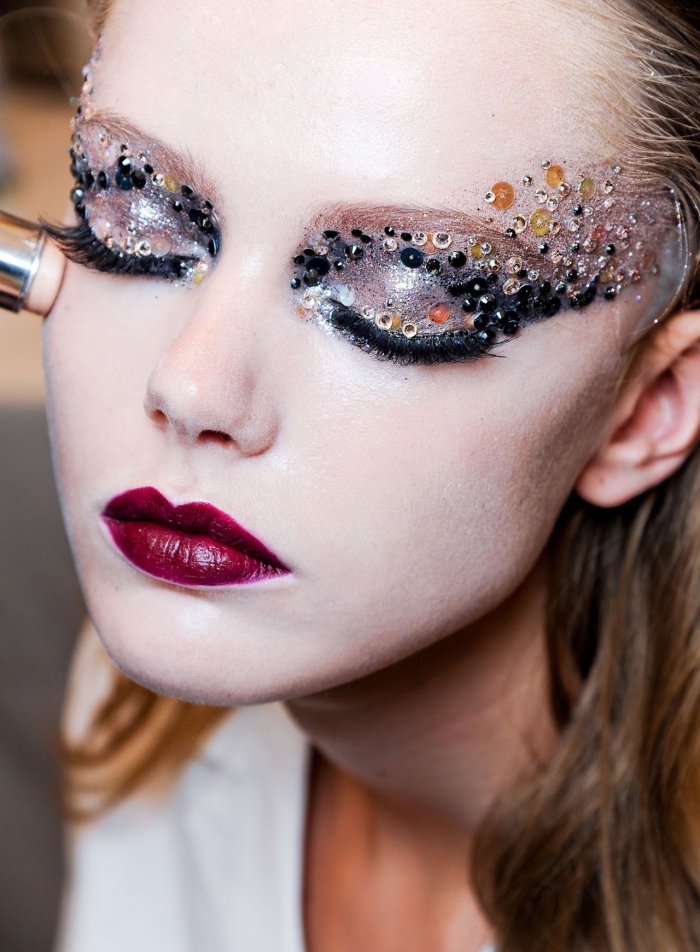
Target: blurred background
(42, 50)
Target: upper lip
(200, 518)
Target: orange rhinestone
(504, 196)
(555, 176)
(439, 313)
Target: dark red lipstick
(193, 544)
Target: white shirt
(215, 866)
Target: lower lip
(185, 558)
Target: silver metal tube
(21, 245)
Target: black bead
(511, 327)
(124, 163)
(406, 236)
(309, 252)
(319, 264)
(477, 286)
(523, 306)
(312, 278)
(295, 283)
(177, 205)
(610, 250)
(457, 259)
(411, 257)
(522, 273)
(487, 336)
(102, 179)
(187, 191)
(195, 216)
(205, 223)
(80, 210)
(492, 278)
(610, 293)
(540, 300)
(339, 265)
(457, 289)
(544, 248)
(433, 266)
(499, 317)
(329, 233)
(366, 239)
(480, 321)
(138, 178)
(77, 195)
(585, 297)
(546, 287)
(487, 302)
(356, 233)
(525, 292)
(208, 205)
(571, 274)
(214, 245)
(468, 304)
(510, 233)
(89, 179)
(123, 180)
(578, 209)
(560, 287)
(552, 306)
(389, 231)
(148, 168)
(299, 259)
(575, 247)
(354, 252)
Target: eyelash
(428, 350)
(79, 245)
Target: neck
(445, 730)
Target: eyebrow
(374, 218)
(164, 158)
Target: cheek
(100, 344)
(439, 487)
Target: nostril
(159, 418)
(215, 436)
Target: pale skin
(412, 504)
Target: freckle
(439, 314)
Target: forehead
(398, 101)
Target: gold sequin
(555, 176)
(171, 183)
(388, 320)
(539, 222)
(515, 264)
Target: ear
(656, 419)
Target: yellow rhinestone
(539, 222)
(171, 183)
(587, 188)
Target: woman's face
(406, 501)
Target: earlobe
(656, 422)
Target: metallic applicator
(31, 268)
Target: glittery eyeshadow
(549, 243)
(134, 205)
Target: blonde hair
(601, 850)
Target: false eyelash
(450, 347)
(79, 245)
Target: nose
(211, 385)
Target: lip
(194, 544)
